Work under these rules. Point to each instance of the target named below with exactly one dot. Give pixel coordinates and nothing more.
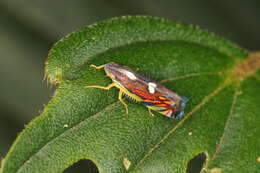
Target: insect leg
(101, 87)
(150, 111)
(120, 97)
(97, 67)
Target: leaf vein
(191, 75)
(196, 108)
(73, 127)
(234, 99)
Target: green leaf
(221, 119)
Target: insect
(144, 90)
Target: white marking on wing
(128, 74)
(151, 87)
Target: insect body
(141, 89)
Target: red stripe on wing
(144, 94)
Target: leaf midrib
(253, 57)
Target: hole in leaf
(196, 163)
(82, 166)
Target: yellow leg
(150, 111)
(101, 87)
(122, 101)
(97, 67)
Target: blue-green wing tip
(184, 100)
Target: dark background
(29, 28)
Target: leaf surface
(221, 118)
